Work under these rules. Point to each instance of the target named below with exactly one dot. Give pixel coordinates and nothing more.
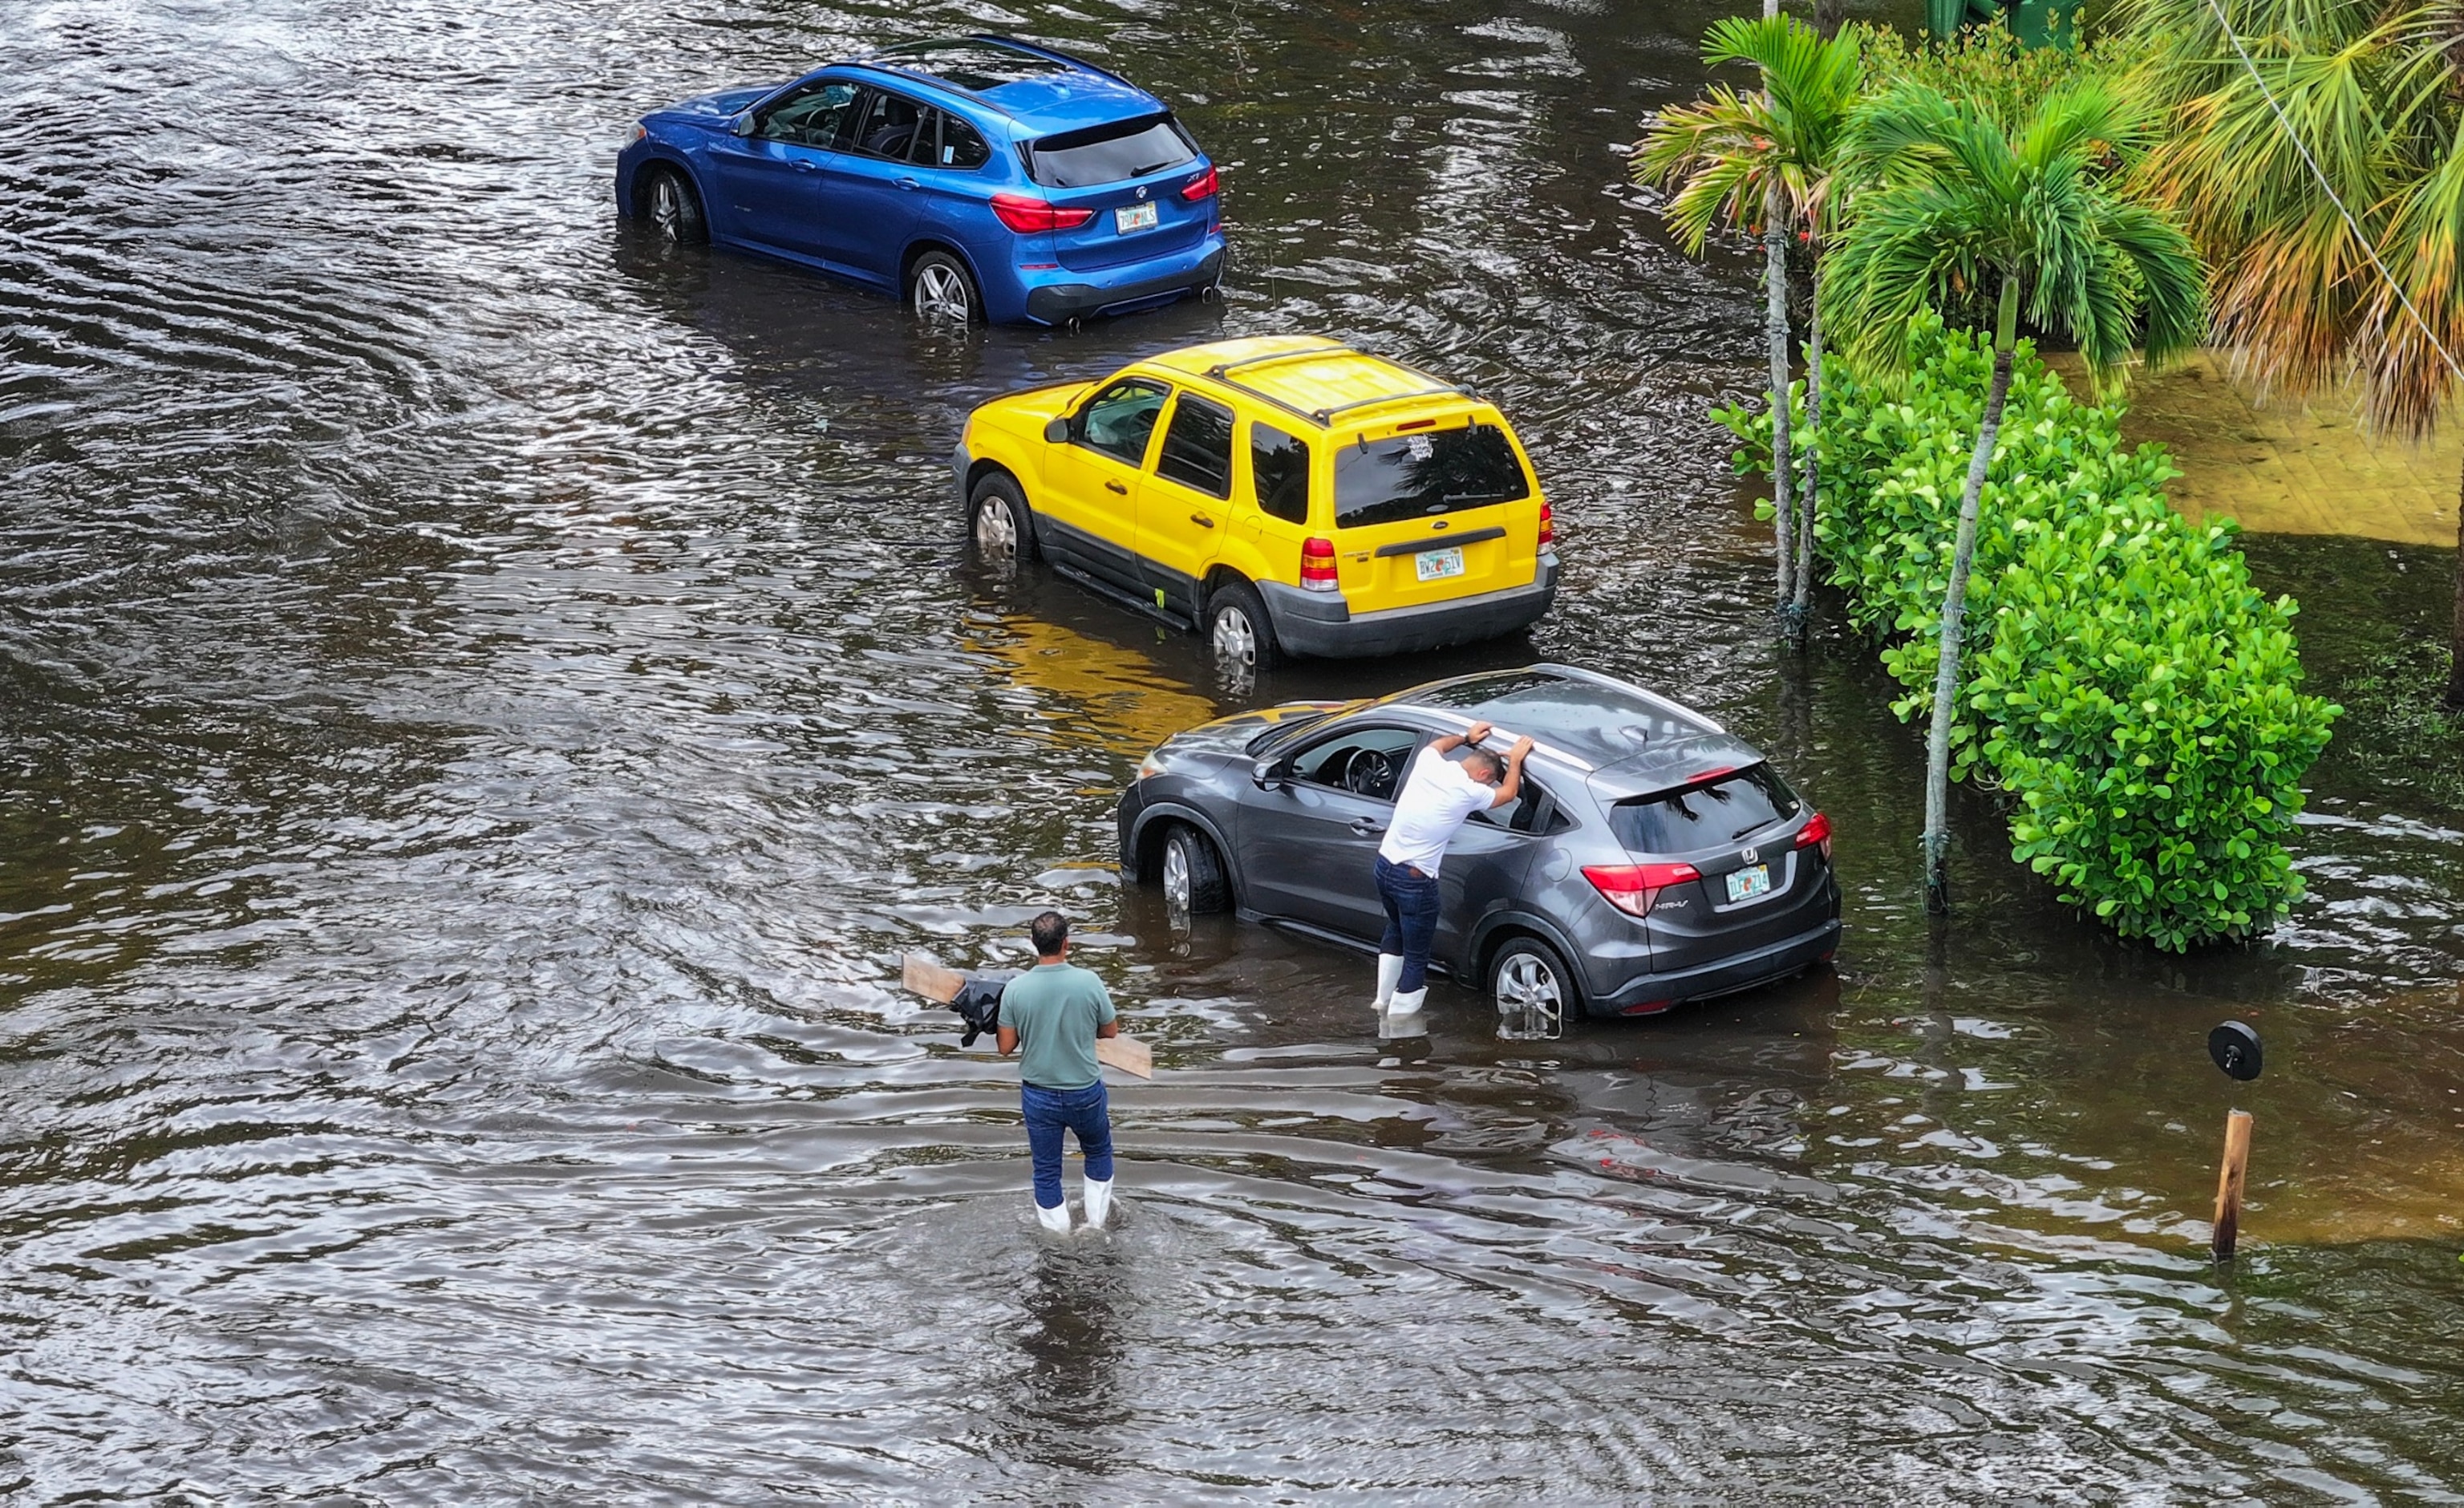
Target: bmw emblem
(1753, 857)
(1142, 193)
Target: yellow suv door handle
(1202, 520)
(1114, 486)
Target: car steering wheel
(1369, 773)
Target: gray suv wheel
(1531, 986)
(1193, 875)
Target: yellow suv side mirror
(1056, 432)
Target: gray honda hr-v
(1652, 859)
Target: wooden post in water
(2228, 1183)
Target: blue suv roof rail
(885, 61)
(998, 39)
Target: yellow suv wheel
(1237, 629)
(999, 526)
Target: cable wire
(2329, 189)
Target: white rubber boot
(1055, 1217)
(1390, 968)
(1099, 1202)
(1405, 1020)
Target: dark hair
(1049, 931)
(1483, 765)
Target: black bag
(979, 1003)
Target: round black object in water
(2235, 1049)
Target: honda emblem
(1142, 193)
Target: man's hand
(1522, 749)
(1477, 733)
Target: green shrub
(1986, 65)
(2135, 698)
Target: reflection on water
(486, 699)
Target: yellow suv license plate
(1133, 217)
(1439, 564)
(1745, 884)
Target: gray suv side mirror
(1268, 773)
(1056, 432)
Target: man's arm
(1110, 1026)
(1511, 786)
(1008, 1040)
(1448, 742)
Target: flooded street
(487, 699)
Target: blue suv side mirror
(742, 125)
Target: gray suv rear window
(1419, 476)
(1107, 154)
(1704, 816)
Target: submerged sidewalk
(2292, 468)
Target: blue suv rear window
(1107, 154)
(1704, 816)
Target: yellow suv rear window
(1420, 474)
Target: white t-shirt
(1438, 796)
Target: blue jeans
(1411, 901)
(1084, 1111)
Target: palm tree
(1730, 152)
(2308, 293)
(1955, 204)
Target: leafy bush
(1986, 65)
(2132, 693)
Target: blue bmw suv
(979, 178)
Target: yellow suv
(1285, 495)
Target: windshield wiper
(1151, 168)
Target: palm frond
(1957, 205)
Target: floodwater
(489, 699)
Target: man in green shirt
(1055, 1011)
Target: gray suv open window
(1366, 761)
(1534, 811)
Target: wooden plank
(930, 980)
(1127, 1053)
(2228, 1183)
(942, 986)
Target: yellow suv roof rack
(1438, 386)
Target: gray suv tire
(1529, 976)
(1193, 873)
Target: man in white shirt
(1439, 797)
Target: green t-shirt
(1055, 1010)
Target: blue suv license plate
(1745, 884)
(1133, 217)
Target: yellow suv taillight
(1317, 565)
